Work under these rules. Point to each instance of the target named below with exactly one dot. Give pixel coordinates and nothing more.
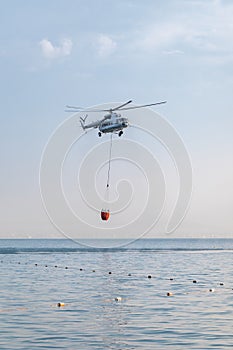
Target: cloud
(50, 51)
(105, 46)
(161, 35)
(173, 52)
(207, 31)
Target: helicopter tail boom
(91, 125)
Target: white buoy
(118, 299)
(60, 304)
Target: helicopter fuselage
(113, 122)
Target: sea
(150, 294)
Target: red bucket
(105, 214)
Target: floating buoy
(118, 299)
(60, 304)
(105, 214)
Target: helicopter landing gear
(99, 133)
(120, 133)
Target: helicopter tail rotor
(82, 121)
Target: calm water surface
(37, 274)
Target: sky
(54, 53)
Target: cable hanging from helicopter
(105, 213)
(112, 122)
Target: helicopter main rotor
(110, 110)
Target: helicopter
(112, 121)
